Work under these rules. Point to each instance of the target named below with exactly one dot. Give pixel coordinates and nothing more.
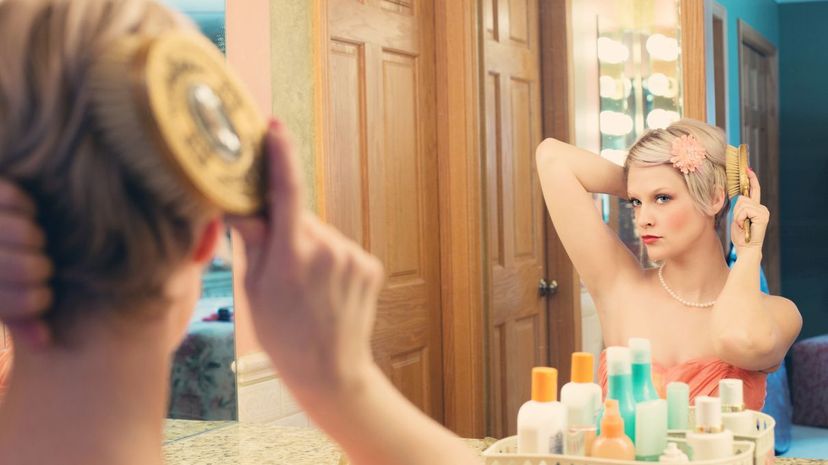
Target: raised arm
(752, 330)
(313, 296)
(569, 176)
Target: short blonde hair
(654, 147)
(115, 230)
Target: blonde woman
(127, 256)
(705, 321)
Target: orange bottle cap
(544, 384)
(582, 363)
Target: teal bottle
(642, 375)
(620, 387)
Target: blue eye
(635, 202)
(662, 198)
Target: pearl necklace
(675, 296)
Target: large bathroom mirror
(203, 385)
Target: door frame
(557, 97)
(770, 189)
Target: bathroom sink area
(233, 443)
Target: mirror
(639, 74)
(203, 386)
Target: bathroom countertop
(231, 443)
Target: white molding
(253, 368)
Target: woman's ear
(207, 240)
(719, 198)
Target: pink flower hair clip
(688, 154)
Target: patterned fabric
(702, 375)
(809, 378)
(203, 386)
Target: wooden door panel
(517, 315)
(523, 143)
(381, 176)
(519, 22)
(347, 156)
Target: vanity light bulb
(663, 48)
(612, 51)
(659, 119)
(614, 123)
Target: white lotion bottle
(541, 422)
(708, 441)
(734, 416)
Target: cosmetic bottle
(619, 386)
(672, 454)
(734, 416)
(678, 405)
(708, 441)
(582, 398)
(541, 422)
(640, 353)
(612, 443)
(650, 429)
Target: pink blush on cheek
(677, 220)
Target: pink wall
(248, 52)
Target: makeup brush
(170, 103)
(738, 182)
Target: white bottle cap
(640, 350)
(672, 454)
(708, 413)
(618, 361)
(731, 393)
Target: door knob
(545, 289)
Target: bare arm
(376, 425)
(313, 297)
(752, 330)
(568, 176)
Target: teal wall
(761, 15)
(798, 32)
(803, 121)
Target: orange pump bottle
(613, 443)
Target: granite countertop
(231, 443)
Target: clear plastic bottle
(541, 422)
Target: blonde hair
(654, 147)
(115, 229)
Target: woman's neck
(699, 274)
(100, 402)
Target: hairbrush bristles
(738, 182)
(170, 100)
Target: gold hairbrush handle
(744, 181)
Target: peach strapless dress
(702, 375)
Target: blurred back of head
(114, 230)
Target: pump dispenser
(613, 443)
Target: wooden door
(760, 129)
(517, 322)
(379, 175)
